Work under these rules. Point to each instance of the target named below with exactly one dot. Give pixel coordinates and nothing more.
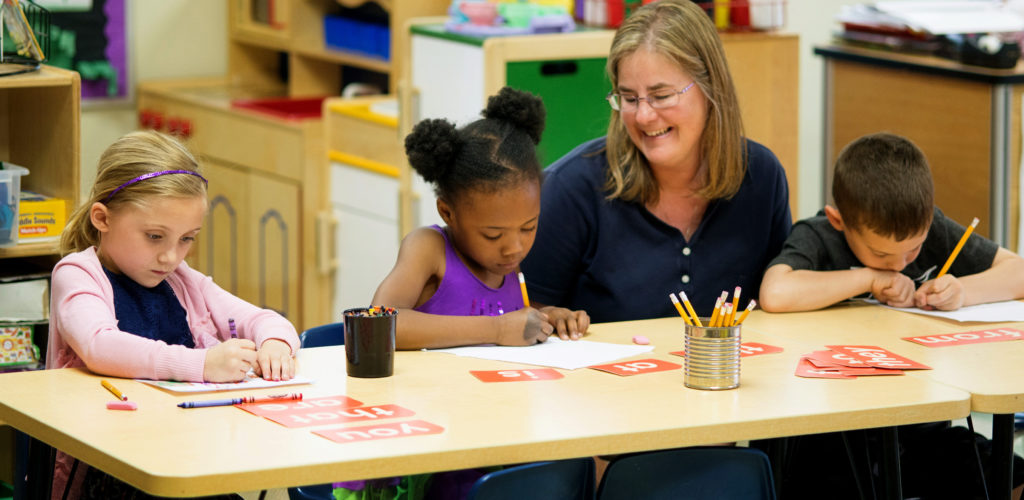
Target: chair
(697, 473)
(558, 480)
(318, 336)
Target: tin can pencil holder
(712, 357)
(370, 342)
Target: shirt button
(686, 251)
(686, 278)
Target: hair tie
(150, 176)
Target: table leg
(1001, 463)
(890, 471)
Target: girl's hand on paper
(569, 325)
(524, 327)
(945, 293)
(274, 361)
(893, 289)
(229, 361)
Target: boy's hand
(945, 293)
(523, 327)
(893, 289)
(274, 361)
(229, 361)
(568, 324)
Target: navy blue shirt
(617, 261)
(154, 313)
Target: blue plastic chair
(318, 336)
(558, 480)
(695, 473)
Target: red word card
(804, 368)
(747, 349)
(978, 337)
(380, 431)
(340, 415)
(879, 358)
(517, 375)
(275, 410)
(637, 367)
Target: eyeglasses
(658, 100)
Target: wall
(181, 38)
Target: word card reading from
(380, 431)
(516, 375)
(877, 357)
(979, 337)
(637, 367)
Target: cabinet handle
(326, 226)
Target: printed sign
(628, 368)
(380, 431)
(879, 358)
(517, 375)
(978, 337)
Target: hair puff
(431, 147)
(522, 110)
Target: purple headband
(150, 176)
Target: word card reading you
(380, 431)
(979, 337)
(637, 367)
(878, 357)
(516, 375)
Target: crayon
(231, 327)
(237, 401)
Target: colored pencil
(959, 246)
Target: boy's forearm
(416, 330)
(803, 290)
(1003, 281)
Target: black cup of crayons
(370, 341)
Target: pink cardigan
(83, 330)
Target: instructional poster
(90, 37)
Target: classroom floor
(982, 425)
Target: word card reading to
(380, 431)
(517, 375)
(877, 357)
(747, 349)
(637, 367)
(979, 337)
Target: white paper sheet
(994, 312)
(251, 382)
(555, 353)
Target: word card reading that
(978, 337)
(878, 357)
(517, 375)
(380, 431)
(637, 367)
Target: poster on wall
(90, 37)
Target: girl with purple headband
(124, 303)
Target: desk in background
(168, 451)
(966, 119)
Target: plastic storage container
(10, 197)
(368, 38)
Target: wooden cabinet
(39, 130)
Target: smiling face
(669, 137)
(146, 243)
(494, 230)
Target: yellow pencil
(522, 286)
(727, 313)
(750, 307)
(717, 311)
(113, 390)
(956, 250)
(679, 307)
(689, 307)
(735, 307)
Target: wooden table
(991, 372)
(168, 451)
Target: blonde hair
(131, 156)
(682, 32)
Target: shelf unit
(258, 51)
(39, 130)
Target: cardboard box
(40, 218)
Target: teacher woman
(674, 198)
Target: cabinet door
(219, 250)
(274, 247)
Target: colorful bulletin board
(90, 37)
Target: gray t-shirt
(815, 245)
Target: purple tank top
(461, 293)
